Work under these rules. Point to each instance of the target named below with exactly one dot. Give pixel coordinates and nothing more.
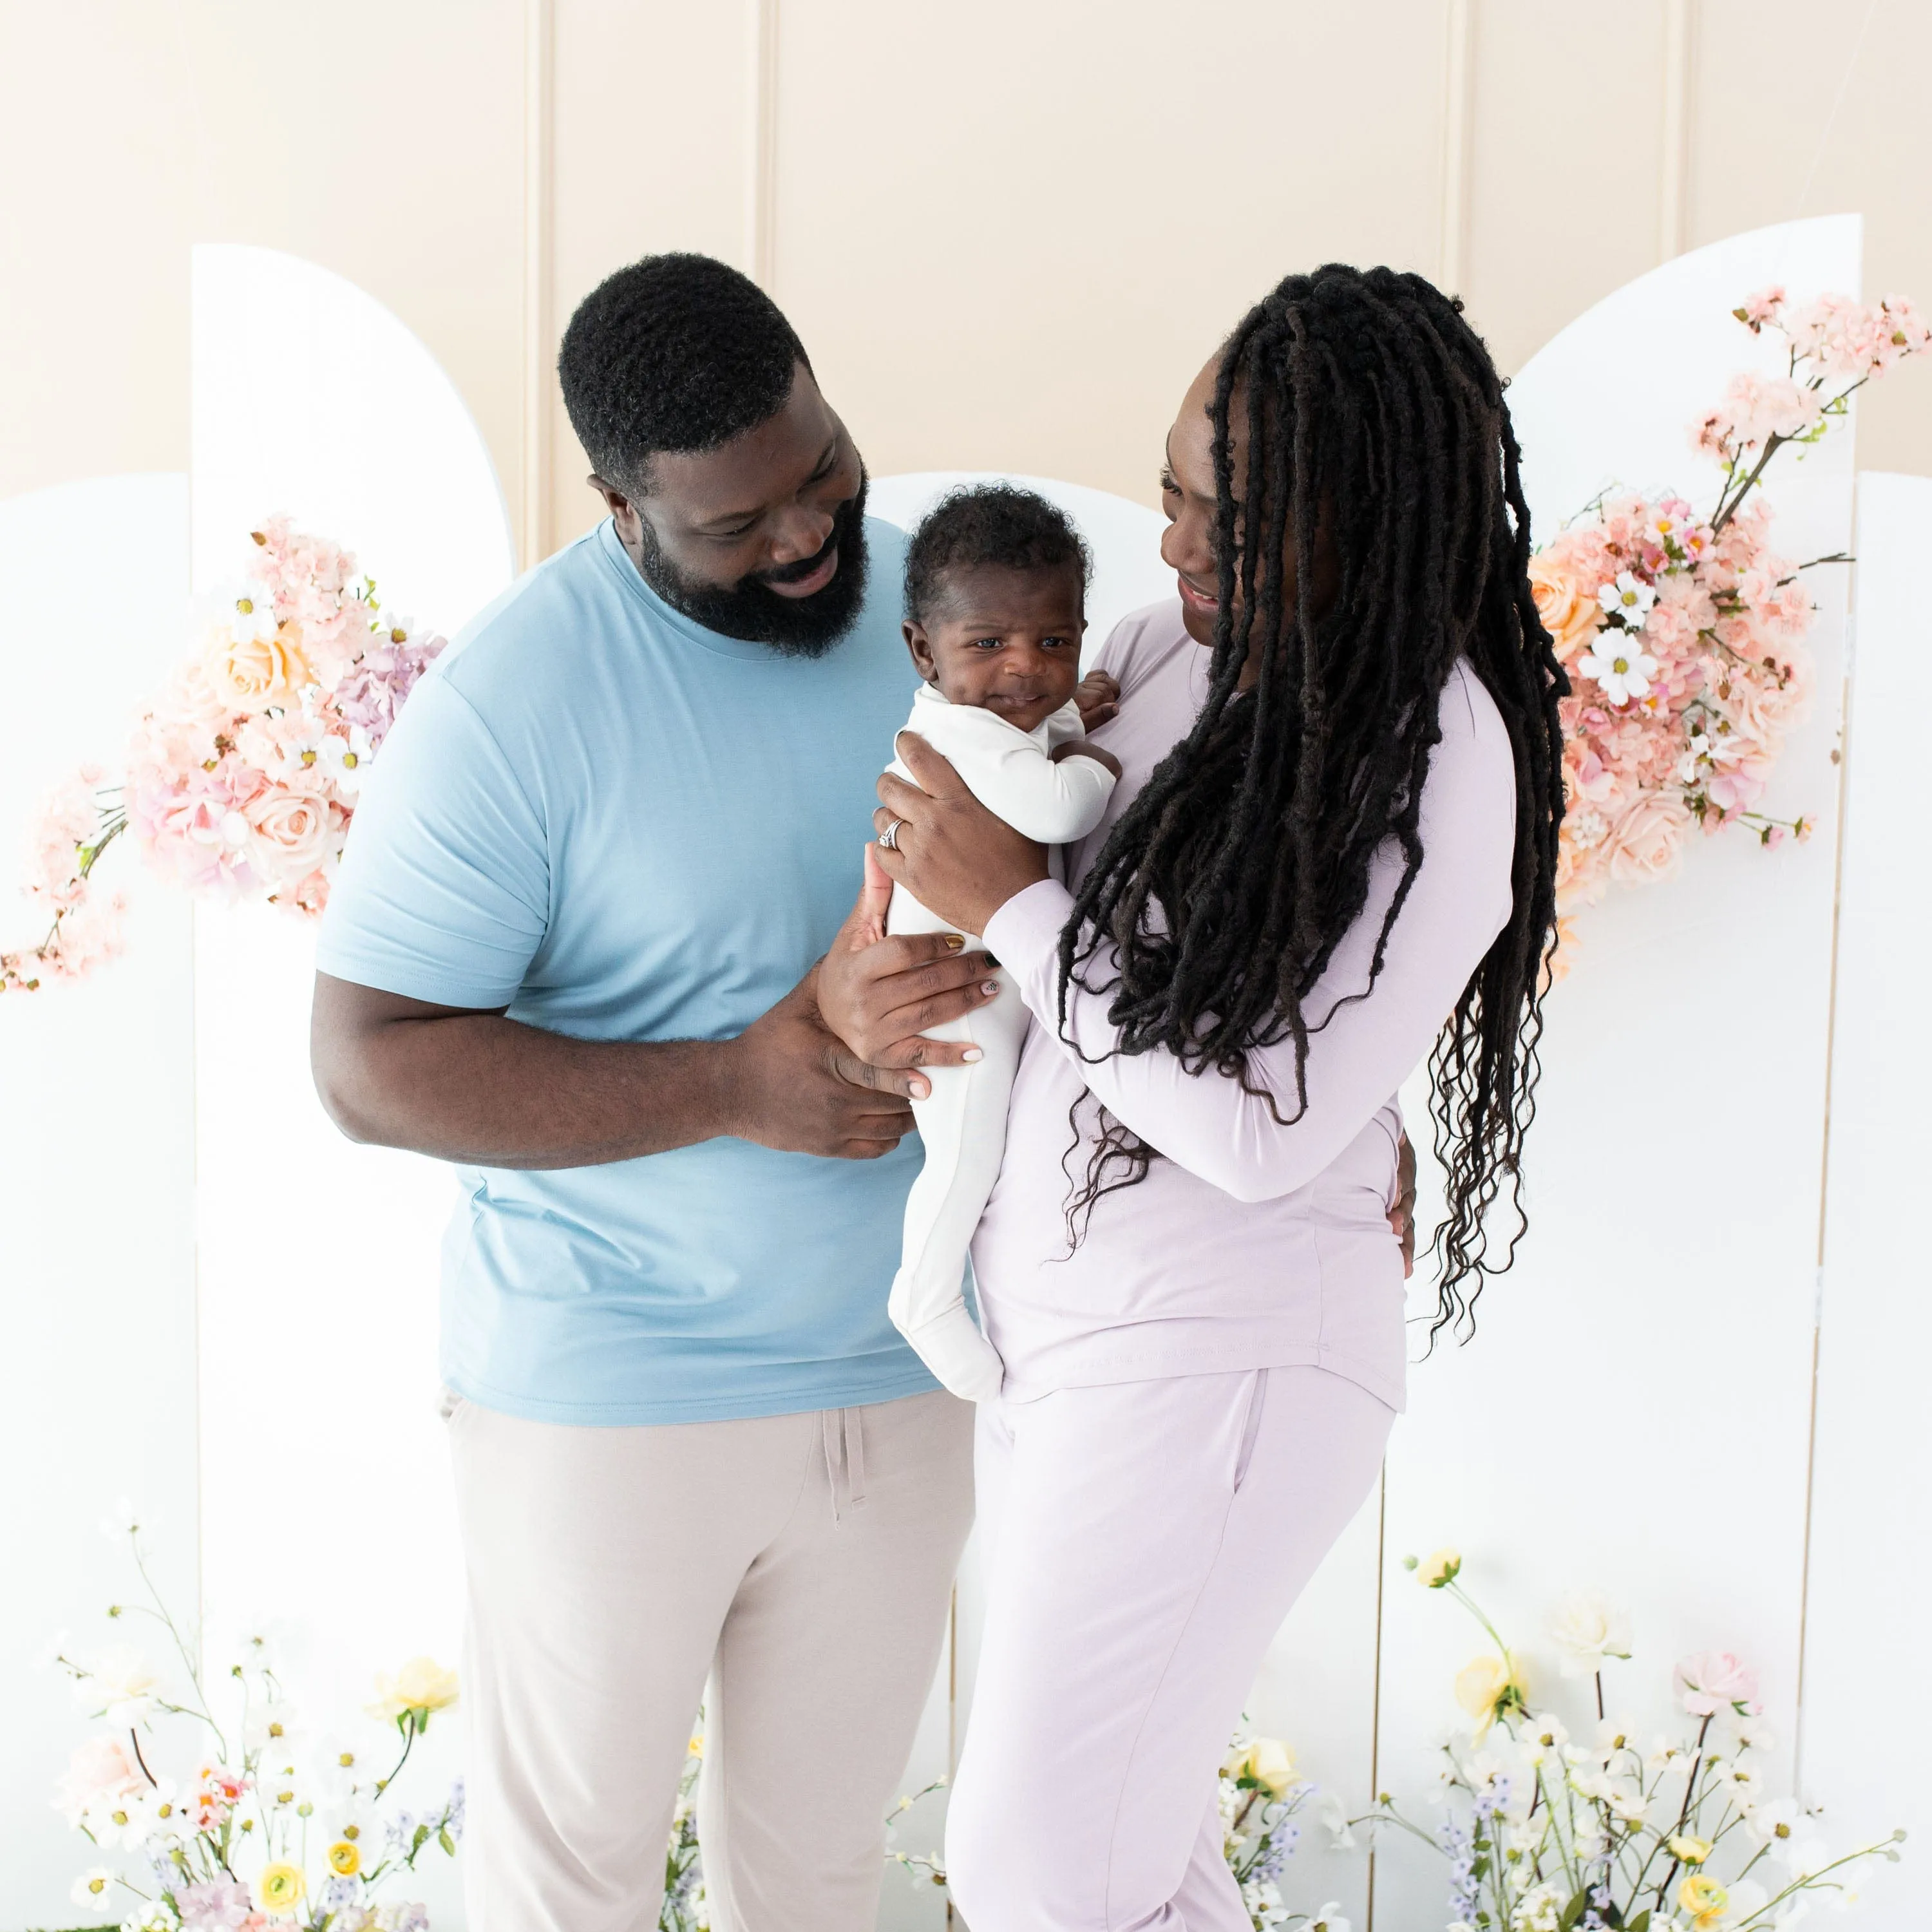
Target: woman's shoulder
(1471, 720)
(1145, 642)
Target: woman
(1332, 848)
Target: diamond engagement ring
(889, 838)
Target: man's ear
(615, 501)
(920, 645)
(622, 506)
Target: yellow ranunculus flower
(1442, 1567)
(422, 1685)
(1690, 1851)
(1487, 1686)
(279, 1888)
(1268, 1762)
(1704, 1899)
(345, 1860)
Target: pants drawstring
(842, 1434)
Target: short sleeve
(444, 893)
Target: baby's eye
(986, 644)
(1055, 644)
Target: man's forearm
(478, 1088)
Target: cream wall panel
(1009, 234)
(95, 220)
(1795, 112)
(381, 141)
(1566, 146)
(650, 133)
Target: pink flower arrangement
(242, 776)
(1683, 633)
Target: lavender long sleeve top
(1249, 1244)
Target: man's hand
(791, 1084)
(479, 1087)
(880, 995)
(1402, 1216)
(1098, 695)
(953, 855)
(1085, 747)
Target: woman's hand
(880, 995)
(1402, 1216)
(955, 857)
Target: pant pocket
(1252, 1428)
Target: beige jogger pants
(804, 1562)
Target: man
(572, 951)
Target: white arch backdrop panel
(1635, 1412)
(97, 1219)
(1868, 1700)
(318, 1259)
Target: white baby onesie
(963, 1121)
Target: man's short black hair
(676, 352)
(997, 524)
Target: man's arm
(476, 1087)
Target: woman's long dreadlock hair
(1371, 423)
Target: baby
(995, 592)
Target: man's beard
(795, 627)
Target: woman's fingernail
(989, 987)
(955, 942)
(920, 1090)
(972, 1054)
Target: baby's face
(1004, 641)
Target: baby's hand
(1085, 747)
(1098, 695)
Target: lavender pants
(1145, 1541)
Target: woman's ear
(920, 645)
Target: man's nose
(801, 532)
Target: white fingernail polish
(971, 1054)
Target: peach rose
(1643, 844)
(289, 834)
(1566, 604)
(252, 674)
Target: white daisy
(345, 760)
(1620, 663)
(94, 1889)
(1629, 598)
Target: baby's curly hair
(989, 523)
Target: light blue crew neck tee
(622, 826)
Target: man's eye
(1168, 486)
